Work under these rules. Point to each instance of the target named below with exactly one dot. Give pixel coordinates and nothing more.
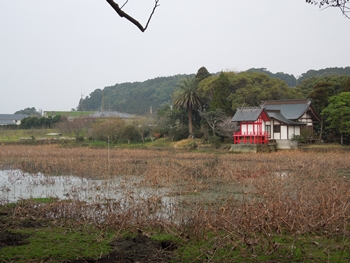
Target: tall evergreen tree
(338, 113)
(221, 94)
(202, 73)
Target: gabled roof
(285, 111)
(292, 109)
(13, 116)
(9, 119)
(276, 114)
(247, 114)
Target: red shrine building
(275, 121)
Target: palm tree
(187, 97)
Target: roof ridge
(250, 108)
(290, 101)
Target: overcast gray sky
(51, 52)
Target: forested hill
(138, 97)
(324, 73)
(289, 79)
(292, 81)
(133, 98)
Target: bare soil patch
(135, 249)
(7, 238)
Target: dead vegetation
(248, 198)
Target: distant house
(276, 121)
(12, 119)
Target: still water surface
(16, 185)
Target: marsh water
(126, 191)
(16, 185)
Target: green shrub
(179, 133)
(80, 138)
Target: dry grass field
(288, 206)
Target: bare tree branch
(154, 9)
(341, 4)
(124, 4)
(226, 128)
(121, 13)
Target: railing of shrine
(250, 137)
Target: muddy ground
(136, 249)
(6, 237)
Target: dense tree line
(245, 88)
(327, 72)
(290, 79)
(293, 81)
(337, 115)
(323, 91)
(138, 97)
(42, 122)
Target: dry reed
(284, 192)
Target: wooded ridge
(140, 97)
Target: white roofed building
(278, 121)
(12, 119)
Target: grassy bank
(18, 135)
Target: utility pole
(103, 101)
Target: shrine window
(276, 128)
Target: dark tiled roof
(276, 114)
(290, 109)
(247, 114)
(286, 111)
(13, 116)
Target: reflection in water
(16, 185)
(121, 192)
(117, 195)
